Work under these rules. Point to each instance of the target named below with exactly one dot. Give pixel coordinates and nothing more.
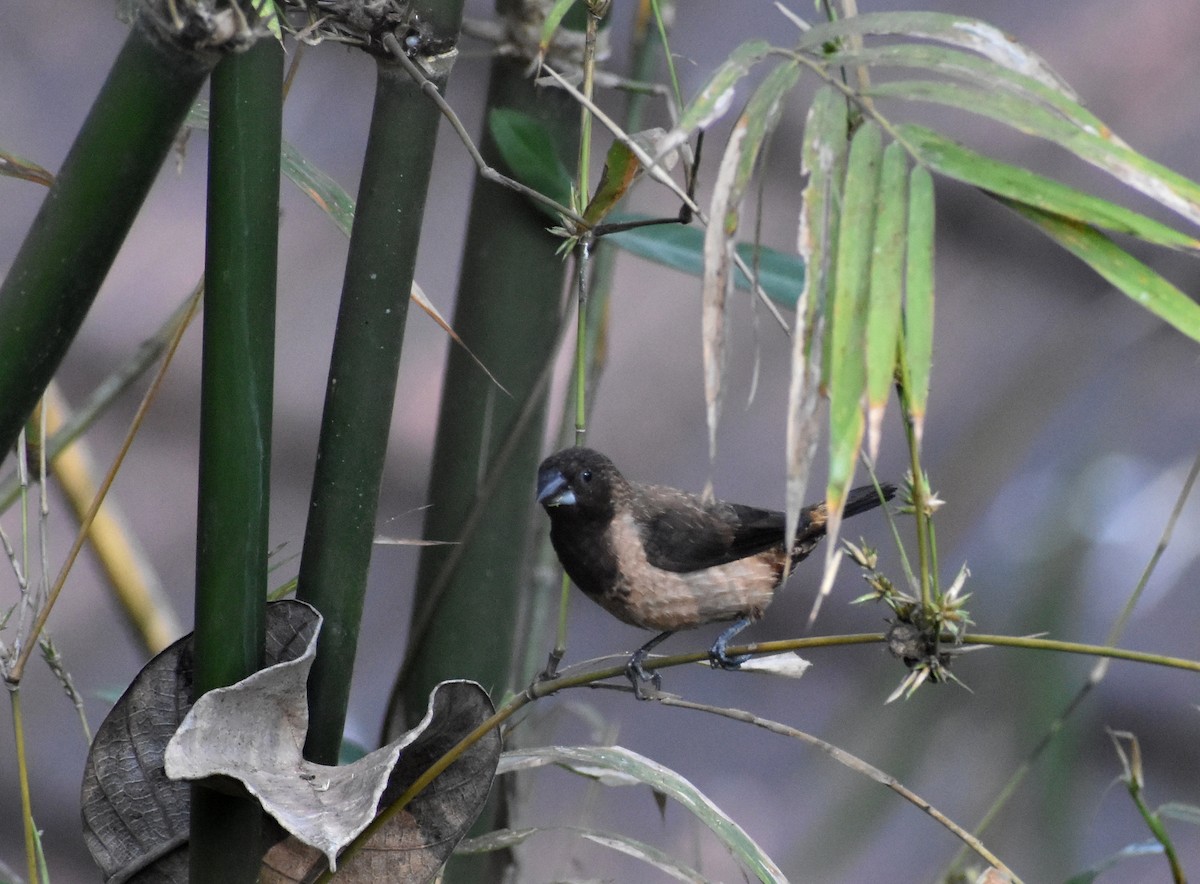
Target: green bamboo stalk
(507, 311)
(237, 381)
(362, 380)
(468, 596)
(88, 211)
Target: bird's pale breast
(653, 598)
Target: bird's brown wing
(681, 533)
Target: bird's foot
(639, 677)
(718, 657)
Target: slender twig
(1098, 671)
(652, 166)
(14, 675)
(856, 764)
(591, 678)
(1163, 542)
(14, 696)
(485, 171)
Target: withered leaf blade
(413, 846)
(135, 819)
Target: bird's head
(578, 480)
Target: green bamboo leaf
(629, 767)
(761, 116)
(967, 33)
(822, 158)
(673, 245)
(498, 839)
(1130, 851)
(1124, 271)
(956, 161)
(887, 289)
(330, 197)
(1177, 810)
(745, 143)
(529, 153)
(268, 12)
(553, 19)
(716, 96)
(847, 332)
(1100, 148)
(918, 302)
(503, 839)
(647, 853)
(621, 167)
(969, 68)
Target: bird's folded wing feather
(681, 533)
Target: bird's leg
(639, 676)
(716, 654)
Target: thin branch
(855, 764)
(393, 46)
(1098, 671)
(13, 677)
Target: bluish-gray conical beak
(553, 489)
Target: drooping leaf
(972, 69)
(553, 19)
(1125, 272)
(1100, 148)
(717, 282)
(504, 839)
(744, 145)
(886, 289)
(918, 304)
(761, 116)
(593, 761)
(742, 151)
(135, 819)
(967, 33)
(847, 334)
(823, 157)
(621, 169)
(414, 844)
(254, 732)
(716, 96)
(1003, 179)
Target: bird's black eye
(586, 475)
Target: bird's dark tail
(813, 521)
(865, 498)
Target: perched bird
(663, 559)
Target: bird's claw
(639, 677)
(718, 659)
(717, 656)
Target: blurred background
(1063, 422)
